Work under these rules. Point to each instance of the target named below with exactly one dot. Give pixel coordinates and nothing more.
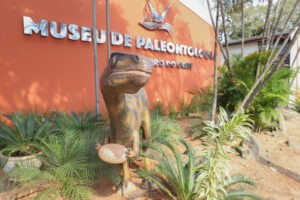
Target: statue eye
(136, 58)
(113, 60)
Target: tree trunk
(215, 95)
(243, 28)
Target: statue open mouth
(131, 72)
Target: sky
(200, 7)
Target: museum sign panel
(46, 53)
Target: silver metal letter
(102, 38)
(170, 47)
(156, 47)
(116, 38)
(73, 28)
(127, 40)
(140, 41)
(178, 49)
(191, 51)
(86, 34)
(53, 30)
(149, 44)
(29, 26)
(200, 53)
(163, 46)
(184, 49)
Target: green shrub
(274, 94)
(202, 100)
(185, 108)
(222, 132)
(297, 103)
(158, 109)
(163, 128)
(172, 112)
(226, 130)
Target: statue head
(127, 72)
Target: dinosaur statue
(122, 86)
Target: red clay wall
(46, 73)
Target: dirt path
(277, 173)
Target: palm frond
(67, 166)
(238, 179)
(238, 195)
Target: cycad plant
(172, 175)
(21, 133)
(70, 165)
(65, 172)
(82, 121)
(200, 175)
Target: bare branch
(226, 38)
(214, 26)
(267, 22)
(269, 35)
(210, 14)
(269, 63)
(266, 27)
(275, 27)
(283, 28)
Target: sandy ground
(276, 171)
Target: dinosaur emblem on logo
(155, 20)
